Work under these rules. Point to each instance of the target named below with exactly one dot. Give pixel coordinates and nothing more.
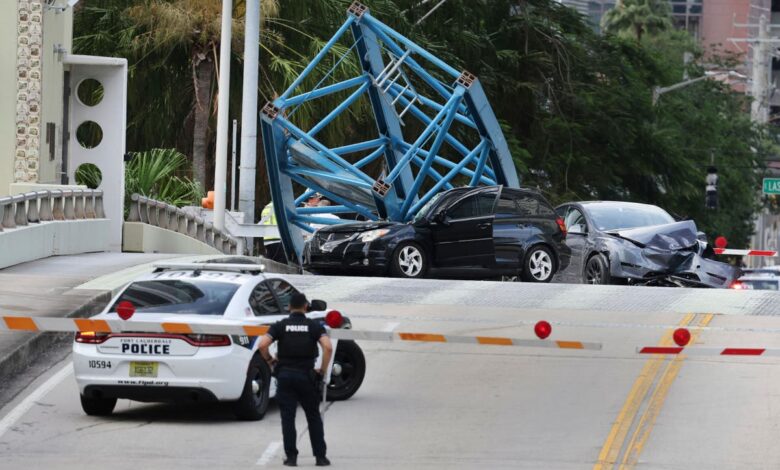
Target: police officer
(296, 377)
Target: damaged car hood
(676, 236)
(669, 254)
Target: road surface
(438, 406)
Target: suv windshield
(176, 296)
(422, 213)
(625, 216)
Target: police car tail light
(334, 319)
(208, 340)
(91, 337)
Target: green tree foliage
(576, 107)
(634, 18)
(155, 174)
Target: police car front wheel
(253, 403)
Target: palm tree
(194, 26)
(637, 17)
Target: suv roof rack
(253, 269)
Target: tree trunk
(204, 77)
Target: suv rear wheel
(539, 265)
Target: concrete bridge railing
(163, 215)
(50, 205)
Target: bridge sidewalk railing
(50, 205)
(163, 215)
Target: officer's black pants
(299, 387)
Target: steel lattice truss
(414, 167)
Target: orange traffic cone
(208, 202)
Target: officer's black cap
(298, 300)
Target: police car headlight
(372, 235)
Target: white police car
(159, 367)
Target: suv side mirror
(317, 305)
(441, 217)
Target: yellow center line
(610, 451)
(647, 421)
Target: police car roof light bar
(253, 269)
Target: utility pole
(220, 172)
(759, 109)
(246, 189)
(764, 48)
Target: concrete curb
(17, 361)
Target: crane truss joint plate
(270, 110)
(381, 188)
(466, 79)
(357, 9)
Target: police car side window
(283, 291)
(262, 301)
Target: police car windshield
(176, 296)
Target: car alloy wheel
(410, 260)
(541, 265)
(349, 369)
(597, 271)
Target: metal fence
(167, 216)
(50, 205)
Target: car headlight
(372, 235)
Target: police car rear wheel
(97, 406)
(253, 403)
(349, 369)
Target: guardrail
(50, 205)
(167, 216)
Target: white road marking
(270, 453)
(390, 326)
(24, 406)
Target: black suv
(503, 231)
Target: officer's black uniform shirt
(297, 336)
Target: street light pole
(658, 91)
(246, 188)
(220, 172)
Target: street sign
(771, 185)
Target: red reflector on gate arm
(334, 319)
(742, 352)
(542, 329)
(681, 336)
(660, 350)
